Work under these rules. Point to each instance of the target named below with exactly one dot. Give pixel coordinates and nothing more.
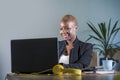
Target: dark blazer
(80, 55)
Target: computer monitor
(33, 55)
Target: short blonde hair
(69, 18)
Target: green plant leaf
(102, 30)
(104, 35)
(92, 27)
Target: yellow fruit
(73, 71)
(58, 69)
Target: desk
(115, 76)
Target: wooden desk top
(115, 76)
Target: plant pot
(101, 59)
(108, 64)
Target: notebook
(33, 55)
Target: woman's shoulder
(82, 43)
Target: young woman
(73, 53)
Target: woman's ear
(75, 27)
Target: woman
(73, 53)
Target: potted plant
(104, 35)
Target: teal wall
(40, 18)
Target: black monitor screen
(33, 55)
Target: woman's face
(68, 30)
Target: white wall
(40, 18)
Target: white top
(64, 59)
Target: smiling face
(68, 30)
